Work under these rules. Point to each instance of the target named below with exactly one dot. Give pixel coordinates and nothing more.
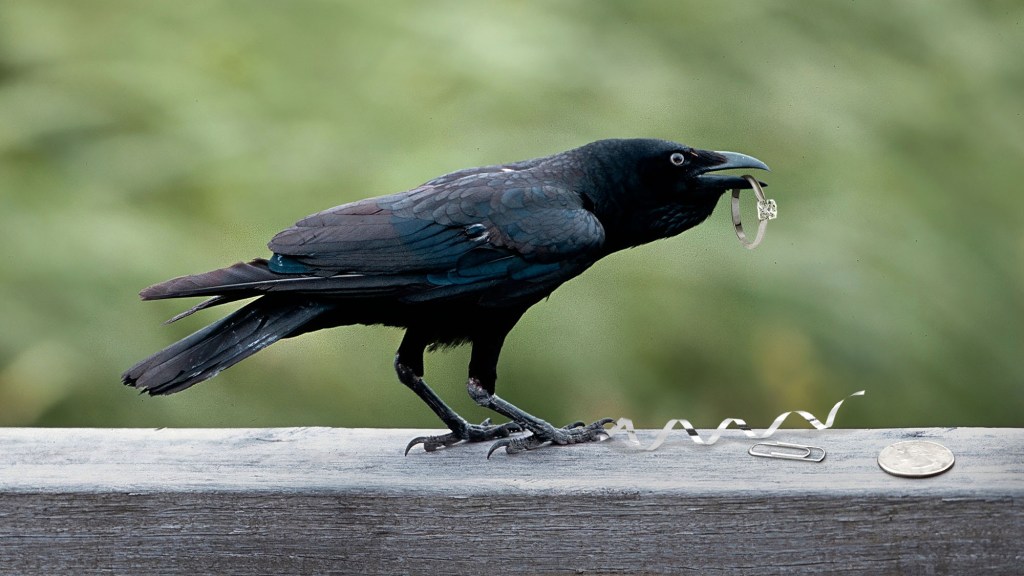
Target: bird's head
(648, 189)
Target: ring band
(767, 210)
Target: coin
(915, 459)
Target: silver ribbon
(626, 425)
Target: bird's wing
(475, 232)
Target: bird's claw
(471, 433)
(432, 443)
(575, 433)
(513, 445)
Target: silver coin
(915, 459)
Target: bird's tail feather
(243, 279)
(222, 344)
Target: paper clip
(787, 451)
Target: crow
(457, 260)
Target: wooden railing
(346, 501)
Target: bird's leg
(461, 430)
(481, 384)
(409, 367)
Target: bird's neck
(628, 227)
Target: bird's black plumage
(456, 260)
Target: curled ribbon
(625, 424)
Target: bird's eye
(677, 158)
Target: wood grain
(345, 501)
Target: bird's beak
(730, 161)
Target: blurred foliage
(145, 140)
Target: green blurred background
(145, 140)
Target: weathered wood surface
(346, 501)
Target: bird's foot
(483, 432)
(575, 433)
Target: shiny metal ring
(767, 210)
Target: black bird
(457, 260)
